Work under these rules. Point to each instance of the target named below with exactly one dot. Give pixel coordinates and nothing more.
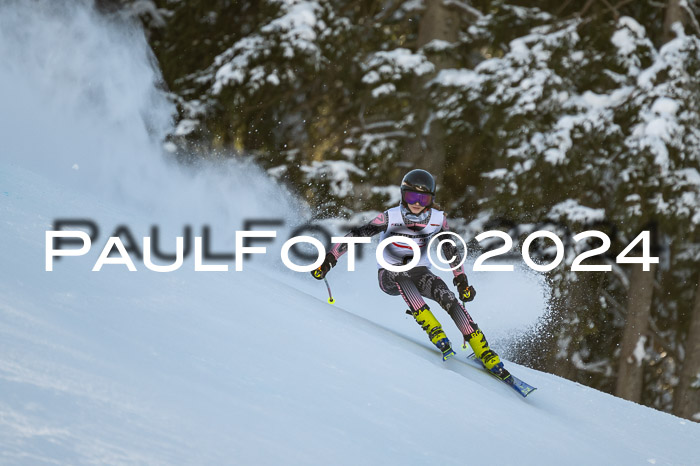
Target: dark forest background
(565, 115)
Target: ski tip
(521, 387)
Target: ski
(522, 388)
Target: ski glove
(328, 263)
(465, 290)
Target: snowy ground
(255, 367)
(249, 367)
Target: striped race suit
(419, 282)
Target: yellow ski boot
(432, 327)
(488, 357)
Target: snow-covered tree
(584, 122)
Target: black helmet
(418, 180)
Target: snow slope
(247, 368)
(251, 367)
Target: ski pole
(464, 343)
(330, 295)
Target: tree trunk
(438, 22)
(428, 150)
(568, 339)
(631, 369)
(686, 399)
(674, 13)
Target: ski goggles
(412, 197)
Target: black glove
(328, 263)
(465, 290)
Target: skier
(418, 218)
